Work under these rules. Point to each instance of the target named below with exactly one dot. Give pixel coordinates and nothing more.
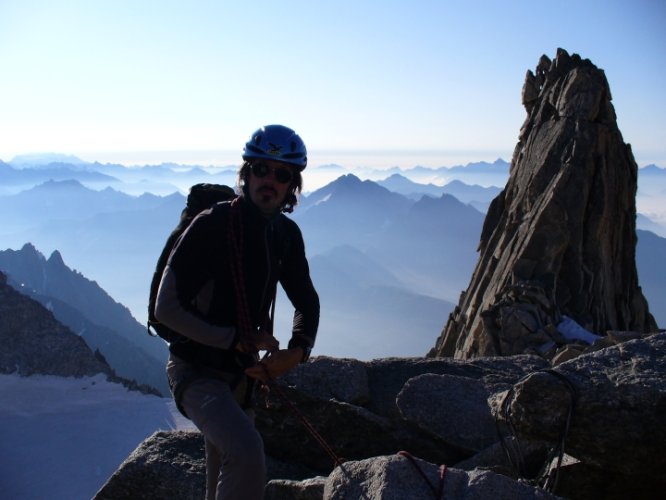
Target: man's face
(268, 184)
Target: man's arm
(306, 316)
(187, 284)
(170, 311)
(296, 281)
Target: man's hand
(276, 364)
(260, 341)
(264, 341)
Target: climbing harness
(545, 479)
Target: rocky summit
(548, 381)
(510, 428)
(559, 241)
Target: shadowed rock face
(560, 238)
(33, 342)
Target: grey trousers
(235, 461)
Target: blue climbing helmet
(277, 142)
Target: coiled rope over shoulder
(236, 263)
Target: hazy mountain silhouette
(426, 248)
(90, 312)
(475, 195)
(429, 243)
(645, 223)
(482, 173)
(432, 246)
(108, 236)
(38, 160)
(398, 183)
(367, 311)
(348, 211)
(68, 200)
(652, 179)
(26, 171)
(13, 180)
(650, 254)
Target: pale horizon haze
(377, 84)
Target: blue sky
(422, 82)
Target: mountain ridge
(84, 307)
(118, 249)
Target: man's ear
(290, 202)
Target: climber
(218, 291)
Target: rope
(337, 461)
(438, 492)
(235, 237)
(513, 451)
(573, 397)
(235, 229)
(547, 482)
(235, 234)
(243, 317)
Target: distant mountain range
(477, 196)
(161, 179)
(389, 257)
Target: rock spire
(560, 239)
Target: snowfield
(61, 438)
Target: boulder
(350, 385)
(351, 431)
(171, 464)
(607, 408)
(387, 376)
(377, 427)
(397, 477)
(168, 464)
(443, 405)
(285, 489)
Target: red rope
(306, 423)
(235, 228)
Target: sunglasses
(283, 175)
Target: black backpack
(201, 197)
